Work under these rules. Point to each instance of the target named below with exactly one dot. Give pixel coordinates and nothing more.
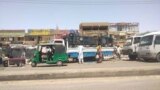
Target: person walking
(80, 56)
(118, 52)
(99, 55)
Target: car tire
(132, 57)
(59, 63)
(158, 57)
(33, 64)
(5, 63)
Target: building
(35, 36)
(94, 29)
(119, 31)
(12, 36)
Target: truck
(131, 47)
(89, 44)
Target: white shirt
(80, 49)
(119, 50)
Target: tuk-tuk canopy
(57, 48)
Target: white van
(149, 47)
(131, 47)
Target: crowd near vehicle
(55, 55)
(149, 47)
(131, 47)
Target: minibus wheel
(158, 57)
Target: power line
(77, 2)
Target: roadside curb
(82, 74)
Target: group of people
(99, 55)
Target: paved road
(112, 83)
(104, 64)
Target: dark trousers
(49, 56)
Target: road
(112, 83)
(104, 64)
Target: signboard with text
(39, 32)
(12, 33)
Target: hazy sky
(68, 14)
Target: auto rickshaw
(13, 56)
(57, 55)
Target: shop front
(12, 36)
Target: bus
(149, 47)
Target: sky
(68, 14)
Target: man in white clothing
(118, 51)
(80, 56)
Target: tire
(20, 64)
(33, 64)
(5, 63)
(59, 63)
(158, 57)
(146, 60)
(74, 60)
(132, 57)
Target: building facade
(94, 29)
(118, 31)
(11, 36)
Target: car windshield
(129, 42)
(147, 40)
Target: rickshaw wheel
(33, 64)
(20, 64)
(5, 63)
(59, 63)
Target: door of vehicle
(156, 47)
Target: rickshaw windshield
(16, 52)
(59, 48)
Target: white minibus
(149, 47)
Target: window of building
(2, 39)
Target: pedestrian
(99, 55)
(118, 52)
(80, 56)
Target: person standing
(118, 52)
(49, 53)
(99, 55)
(80, 56)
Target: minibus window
(137, 40)
(157, 40)
(147, 40)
